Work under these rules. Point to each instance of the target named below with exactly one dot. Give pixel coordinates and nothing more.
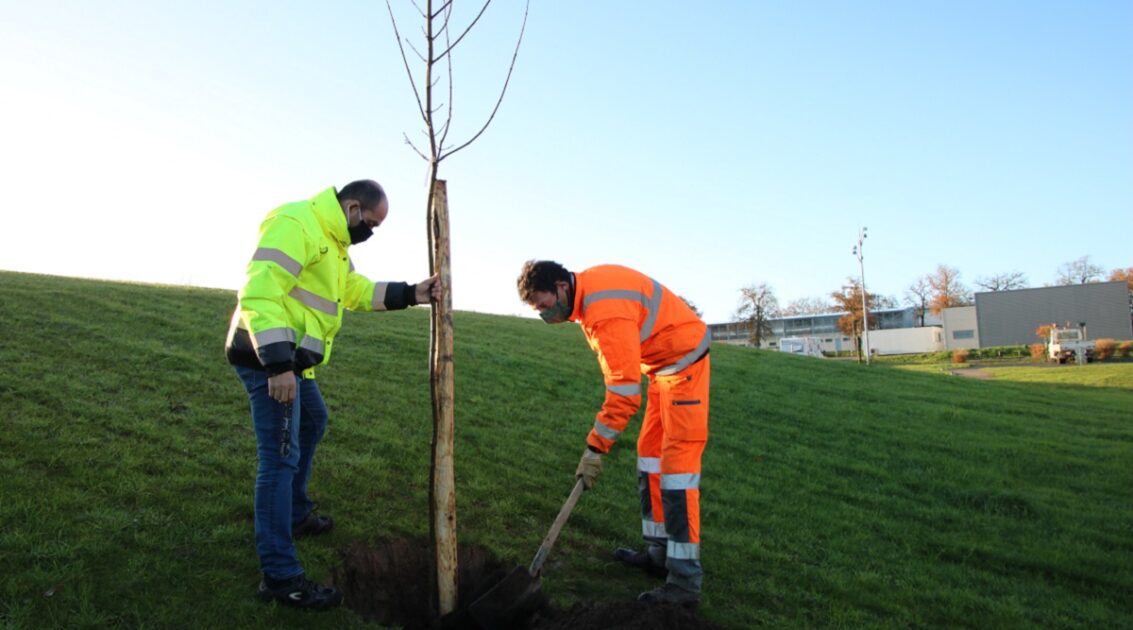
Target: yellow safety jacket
(298, 283)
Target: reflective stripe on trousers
(669, 448)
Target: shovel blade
(509, 603)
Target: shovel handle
(556, 527)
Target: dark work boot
(312, 525)
(670, 594)
(300, 593)
(641, 560)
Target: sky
(709, 148)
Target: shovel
(518, 595)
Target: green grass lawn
(833, 494)
(1100, 374)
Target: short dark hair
(540, 275)
(365, 191)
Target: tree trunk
(443, 494)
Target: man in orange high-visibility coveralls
(637, 326)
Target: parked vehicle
(806, 346)
(1069, 343)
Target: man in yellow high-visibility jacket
(299, 281)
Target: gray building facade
(821, 326)
(1011, 317)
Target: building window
(964, 334)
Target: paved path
(976, 373)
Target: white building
(960, 328)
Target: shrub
(1125, 349)
(960, 356)
(998, 352)
(1103, 349)
(1038, 351)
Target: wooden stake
(443, 504)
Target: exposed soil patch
(390, 584)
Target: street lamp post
(865, 311)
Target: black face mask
(359, 233)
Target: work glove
(588, 468)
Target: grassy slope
(833, 495)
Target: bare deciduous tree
(1009, 281)
(1080, 271)
(883, 301)
(947, 290)
(918, 295)
(757, 306)
(437, 48)
(807, 306)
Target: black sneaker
(312, 525)
(670, 594)
(300, 593)
(641, 560)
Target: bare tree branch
(414, 147)
(527, 6)
(444, 7)
(1079, 271)
(448, 62)
(1003, 281)
(404, 60)
(418, 7)
(445, 24)
(416, 52)
(434, 160)
(482, 9)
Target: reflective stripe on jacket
(636, 326)
(299, 280)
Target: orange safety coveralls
(637, 326)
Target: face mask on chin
(557, 313)
(360, 232)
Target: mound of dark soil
(390, 584)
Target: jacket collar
(576, 294)
(330, 215)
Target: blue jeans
(286, 439)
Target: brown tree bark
(442, 508)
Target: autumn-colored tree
(1043, 332)
(757, 306)
(849, 300)
(1125, 274)
(1003, 281)
(1080, 271)
(947, 290)
(917, 296)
